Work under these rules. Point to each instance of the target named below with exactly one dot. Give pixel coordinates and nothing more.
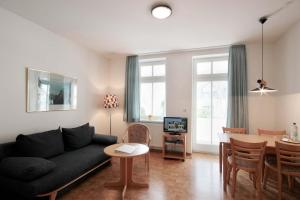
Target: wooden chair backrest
(288, 156)
(268, 132)
(234, 130)
(247, 156)
(137, 133)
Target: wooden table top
(225, 138)
(141, 149)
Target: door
(210, 87)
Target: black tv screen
(175, 124)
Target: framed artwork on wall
(50, 92)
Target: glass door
(210, 102)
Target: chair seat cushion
(26, 168)
(78, 137)
(45, 145)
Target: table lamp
(110, 101)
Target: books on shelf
(126, 148)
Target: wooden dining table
(224, 139)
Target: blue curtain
(132, 90)
(237, 113)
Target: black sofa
(67, 166)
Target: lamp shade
(111, 101)
(262, 88)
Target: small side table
(174, 141)
(126, 166)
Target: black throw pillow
(45, 145)
(25, 168)
(78, 137)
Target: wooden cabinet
(174, 146)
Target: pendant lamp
(262, 84)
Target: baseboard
(154, 148)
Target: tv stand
(174, 145)
(174, 133)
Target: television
(175, 124)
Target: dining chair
(138, 133)
(248, 157)
(234, 130)
(270, 157)
(287, 163)
(269, 132)
(228, 130)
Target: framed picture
(49, 91)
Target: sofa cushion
(78, 137)
(7, 149)
(45, 145)
(25, 168)
(69, 166)
(105, 139)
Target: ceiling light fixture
(262, 88)
(161, 11)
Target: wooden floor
(196, 178)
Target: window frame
(153, 79)
(211, 76)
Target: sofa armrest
(104, 139)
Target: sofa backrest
(9, 149)
(44, 145)
(92, 129)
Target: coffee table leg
(130, 181)
(124, 166)
(121, 182)
(126, 177)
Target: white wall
(117, 87)
(179, 89)
(287, 75)
(25, 44)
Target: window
(210, 89)
(152, 90)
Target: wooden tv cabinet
(174, 146)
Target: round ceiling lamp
(161, 11)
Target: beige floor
(196, 178)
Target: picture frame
(48, 91)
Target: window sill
(151, 122)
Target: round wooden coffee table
(126, 165)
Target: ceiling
(127, 27)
